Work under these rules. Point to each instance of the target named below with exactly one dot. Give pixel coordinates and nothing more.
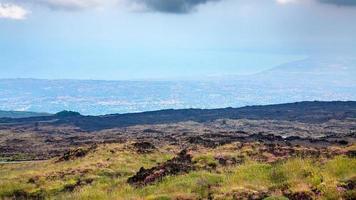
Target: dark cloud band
(166, 6)
(172, 6)
(340, 2)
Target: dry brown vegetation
(272, 159)
(239, 170)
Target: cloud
(70, 4)
(12, 11)
(340, 2)
(286, 1)
(332, 2)
(166, 6)
(172, 6)
(66, 4)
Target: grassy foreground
(103, 174)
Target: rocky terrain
(44, 142)
(141, 170)
(294, 151)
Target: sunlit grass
(109, 167)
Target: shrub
(276, 198)
(205, 162)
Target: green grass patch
(108, 173)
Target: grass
(102, 175)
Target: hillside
(308, 123)
(130, 170)
(20, 114)
(312, 112)
(295, 151)
(311, 73)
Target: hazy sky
(134, 39)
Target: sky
(168, 39)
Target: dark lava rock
(180, 164)
(342, 142)
(305, 195)
(250, 195)
(351, 153)
(78, 183)
(202, 141)
(227, 160)
(76, 153)
(144, 147)
(349, 184)
(268, 137)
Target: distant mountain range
(310, 112)
(334, 72)
(323, 79)
(20, 114)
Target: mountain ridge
(307, 111)
(21, 114)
